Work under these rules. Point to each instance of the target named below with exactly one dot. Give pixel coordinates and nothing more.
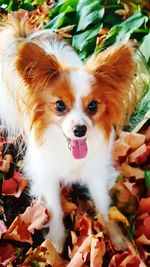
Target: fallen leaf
(144, 205)
(135, 188)
(127, 259)
(123, 198)
(15, 185)
(4, 165)
(7, 254)
(120, 149)
(98, 250)
(143, 226)
(116, 216)
(133, 140)
(3, 228)
(139, 155)
(129, 171)
(143, 240)
(67, 206)
(80, 256)
(18, 231)
(52, 257)
(35, 217)
(147, 134)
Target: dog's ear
(114, 70)
(35, 66)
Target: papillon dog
(67, 110)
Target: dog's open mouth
(78, 148)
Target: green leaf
(62, 14)
(147, 178)
(131, 231)
(2, 2)
(124, 30)
(61, 6)
(89, 14)
(61, 20)
(140, 112)
(34, 263)
(2, 176)
(145, 47)
(85, 42)
(71, 3)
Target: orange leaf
(145, 205)
(15, 185)
(18, 231)
(97, 252)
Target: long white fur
(52, 162)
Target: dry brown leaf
(139, 152)
(134, 140)
(120, 149)
(98, 250)
(35, 217)
(67, 206)
(52, 257)
(18, 231)
(80, 256)
(128, 171)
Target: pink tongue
(78, 148)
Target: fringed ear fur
(35, 66)
(114, 70)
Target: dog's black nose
(80, 130)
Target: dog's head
(77, 99)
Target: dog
(68, 112)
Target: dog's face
(77, 100)
(75, 108)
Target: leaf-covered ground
(88, 25)
(23, 220)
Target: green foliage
(89, 17)
(142, 109)
(62, 14)
(121, 20)
(147, 178)
(145, 47)
(124, 30)
(11, 5)
(2, 176)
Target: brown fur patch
(113, 70)
(35, 66)
(46, 83)
(59, 90)
(38, 71)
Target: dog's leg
(101, 198)
(99, 194)
(57, 230)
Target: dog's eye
(92, 107)
(60, 106)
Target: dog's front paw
(117, 237)
(57, 235)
